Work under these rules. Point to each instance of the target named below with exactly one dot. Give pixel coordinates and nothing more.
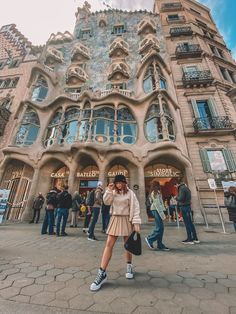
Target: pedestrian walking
(64, 204)
(125, 217)
(230, 203)
(158, 209)
(76, 202)
(184, 203)
(95, 200)
(37, 205)
(51, 204)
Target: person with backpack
(51, 204)
(37, 205)
(64, 204)
(95, 200)
(230, 203)
(76, 202)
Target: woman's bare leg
(107, 253)
(128, 255)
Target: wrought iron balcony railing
(180, 31)
(212, 123)
(197, 78)
(184, 51)
(171, 6)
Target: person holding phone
(125, 218)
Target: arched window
(127, 127)
(69, 126)
(29, 128)
(53, 129)
(155, 124)
(153, 79)
(103, 125)
(40, 90)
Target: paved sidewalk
(47, 274)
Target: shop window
(153, 79)
(29, 128)
(40, 91)
(156, 123)
(217, 160)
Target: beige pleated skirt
(119, 226)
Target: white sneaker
(99, 281)
(129, 272)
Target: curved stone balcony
(118, 70)
(80, 50)
(75, 74)
(150, 41)
(54, 56)
(119, 48)
(147, 25)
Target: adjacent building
(147, 94)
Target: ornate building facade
(146, 94)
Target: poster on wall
(4, 195)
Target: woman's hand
(111, 186)
(136, 228)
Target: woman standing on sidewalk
(230, 203)
(125, 217)
(157, 208)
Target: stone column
(71, 178)
(102, 174)
(141, 194)
(27, 214)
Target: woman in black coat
(230, 203)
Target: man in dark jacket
(37, 205)
(64, 204)
(51, 201)
(184, 203)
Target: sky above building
(37, 20)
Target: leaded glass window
(40, 91)
(127, 127)
(153, 79)
(53, 129)
(103, 125)
(29, 128)
(69, 127)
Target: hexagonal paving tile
(163, 294)
(54, 272)
(81, 302)
(54, 286)
(21, 298)
(23, 282)
(146, 310)
(179, 287)
(216, 288)
(185, 274)
(183, 299)
(9, 292)
(168, 307)
(44, 297)
(202, 293)
(212, 306)
(174, 278)
(217, 275)
(159, 282)
(193, 283)
(144, 299)
(206, 278)
(5, 284)
(227, 283)
(122, 305)
(46, 267)
(64, 277)
(71, 270)
(44, 280)
(36, 274)
(31, 290)
(82, 274)
(226, 299)
(156, 273)
(66, 293)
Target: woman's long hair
(232, 190)
(124, 189)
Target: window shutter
(229, 160)
(205, 160)
(195, 109)
(212, 107)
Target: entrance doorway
(167, 176)
(88, 179)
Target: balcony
(213, 123)
(188, 51)
(171, 6)
(181, 31)
(197, 78)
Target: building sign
(212, 184)
(162, 171)
(116, 170)
(88, 174)
(4, 195)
